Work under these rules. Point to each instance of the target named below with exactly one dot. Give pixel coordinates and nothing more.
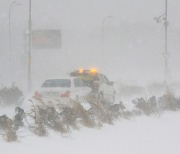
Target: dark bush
(146, 106)
(11, 95)
(168, 101)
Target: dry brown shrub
(69, 118)
(10, 133)
(81, 113)
(100, 112)
(50, 118)
(168, 101)
(40, 130)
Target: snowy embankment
(139, 135)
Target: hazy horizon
(134, 42)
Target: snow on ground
(140, 135)
(9, 111)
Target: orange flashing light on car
(93, 71)
(81, 70)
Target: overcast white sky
(133, 40)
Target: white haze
(133, 48)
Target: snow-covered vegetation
(42, 121)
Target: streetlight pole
(14, 3)
(29, 52)
(103, 40)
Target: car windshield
(57, 83)
(78, 83)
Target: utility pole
(166, 54)
(29, 52)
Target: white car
(106, 89)
(99, 83)
(58, 91)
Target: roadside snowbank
(141, 135)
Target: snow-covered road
(140, 135)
